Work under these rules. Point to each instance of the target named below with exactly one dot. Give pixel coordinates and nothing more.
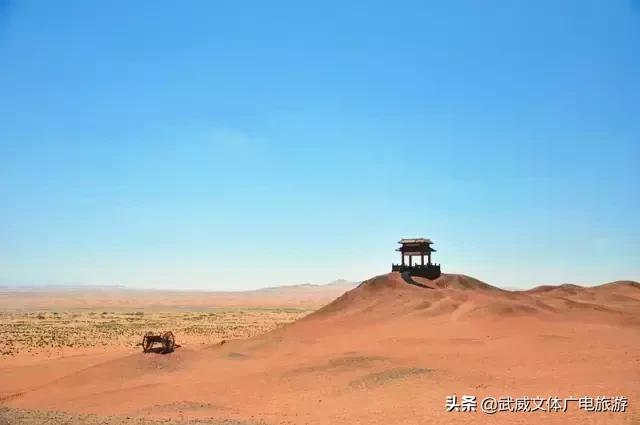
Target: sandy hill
(386, 352)
(393, 297)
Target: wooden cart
(167, 340)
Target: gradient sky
(237, 144)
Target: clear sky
(237, 144)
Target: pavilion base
(428, 271)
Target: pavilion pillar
(429, 258)
(422, 260)
(402, 256)
(410, 261)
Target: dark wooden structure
(167, 340)
(417, 247)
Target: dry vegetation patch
(386, 376)
(37, 332)
(38, 417)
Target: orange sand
(386, 352)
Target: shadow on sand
(160, 350)
(407, 278)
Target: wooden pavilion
(417, 247)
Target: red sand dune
(386, 352)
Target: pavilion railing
(430, 271)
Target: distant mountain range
(339, 283)
(118, 297)
(47, 287)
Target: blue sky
(233, 145)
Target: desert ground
(389, 351)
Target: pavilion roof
(417, 252)
(415, 241)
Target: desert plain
(390, 350)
